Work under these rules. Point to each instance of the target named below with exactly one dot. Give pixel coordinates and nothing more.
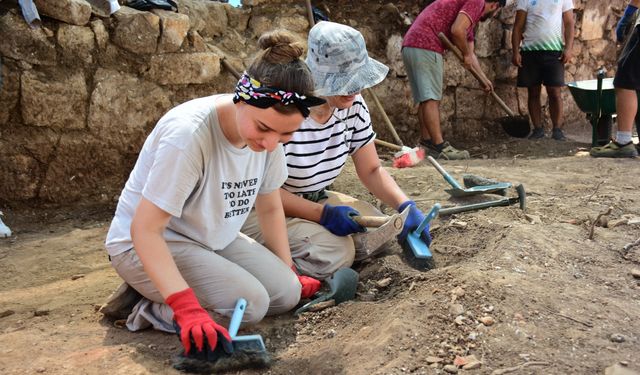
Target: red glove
(195, 324)
(309, 285)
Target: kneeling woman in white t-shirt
(175, 237)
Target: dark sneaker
(614, 150)
(448, 153)
(558, 135)
(537, 133)
(120, 304)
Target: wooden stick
(587, 324)
(476, 74)
(322, 305)
(593, 224)
(371, 221)
(310, 14)
(392, 129)
(230, 68)
(628, 246)
(595, 190)
(387, 144)
(519, 367)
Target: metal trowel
(459, 191)
(342, 284)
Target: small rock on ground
(451, 369)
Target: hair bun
(280, 47)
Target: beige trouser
(316, 251)
(243, 269)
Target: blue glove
(413, 221)
(624, 22)
(339, 220)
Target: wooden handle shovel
(515, 126)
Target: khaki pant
(316, 251)
(243, 269)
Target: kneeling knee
(287, 296)
(257, 305)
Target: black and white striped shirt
(317, 152)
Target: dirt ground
(559, 302)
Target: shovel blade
(343, 285)
(498, 188)
(515, 126)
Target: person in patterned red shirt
(422, 55)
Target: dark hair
(279, 65)
(501, 3)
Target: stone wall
(81, 93)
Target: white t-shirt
(543, 29)
(317, 152)
(188, 168)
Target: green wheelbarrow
(597, 98)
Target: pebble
(635, 273)
(487, 320)
(78, 276)
(458, 224)
(456, 309)
(617, 369)
(533, 219)
(41, 312)
(473, 336)
(487, 308)
(617, 223)
(616, 337)
(518, 316)
(41, 369)
(459, 320)
(432, 359)
(368, 297)
(472, 365)
(384, 282)
(458, 292)
(461, 361)
(451, 369)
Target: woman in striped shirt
(322, 233)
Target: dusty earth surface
(552, 300)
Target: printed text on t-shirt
(238, 194)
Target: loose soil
(561, 303)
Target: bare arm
(375, 178)
(295, 206)
(516, 36)
(568, 22)
(488, 85)
(459, 31)
(272, 223)
(147, 232)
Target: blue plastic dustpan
(252, 343)
(418, 246)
